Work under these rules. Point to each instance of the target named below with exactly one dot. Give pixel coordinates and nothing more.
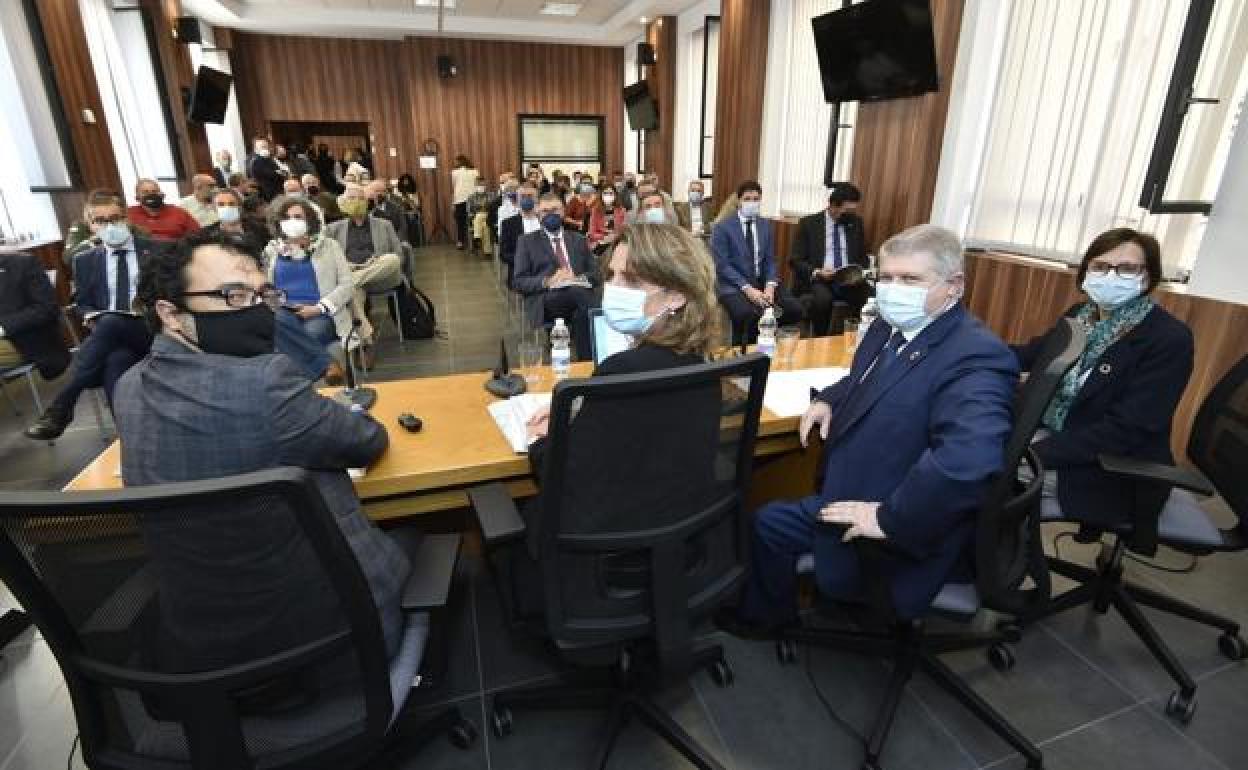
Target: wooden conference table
(460, 446)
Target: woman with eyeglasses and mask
(607, 217)
(312, 271)
(1120, 398)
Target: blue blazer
(924, 441)
(91, 275)
(1125, 407)
(734, 264)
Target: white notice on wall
(428, 161)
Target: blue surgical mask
(1111, 290)
(750, 209)
(553, 222)
(115, 234)
(695, 196)
(625, 310)
(654, 216)
(903, 307)
(527, 204)
(228, 214)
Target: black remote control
(411, 423)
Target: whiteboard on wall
(561, 138)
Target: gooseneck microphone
(352, 394)
(505, 383)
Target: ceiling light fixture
(643, 19)
(561, 9)
(447, 4)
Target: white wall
(688, 126)
(1219, 271)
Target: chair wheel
(1000, 657)
(1232, 646)
(1011, 631)
(786, 651)
(1181, 707)
(721, 674)
(500, 721)
(463, 734)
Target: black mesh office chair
(1010, 575)
(1218, 448)
(637, 537)
(138, 593)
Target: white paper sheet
(511, 415)
(788, 393)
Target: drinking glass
(851, 335)
(786, 344)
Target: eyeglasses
(102, 221)
(1124, 270)
(241, 295)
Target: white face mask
(1111, 290)
(654, 216)
(903, 307)
(263, 152)
(625, 309)
(750, 209)
(294, 228)
(115, 234)
(228, 214)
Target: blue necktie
(837, 260)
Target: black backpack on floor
(419, 317)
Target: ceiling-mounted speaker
(186, 28)
(645, 54)
(446, 67)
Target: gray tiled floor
(1084, 688)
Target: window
(1193, 137)
(798, 122)
(1078, 88)
(709, 37)
(567, 143)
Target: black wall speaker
(446, 67)
(187, 29)
(645, 54)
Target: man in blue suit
(913, 435)
(105, 280)
(745, 266)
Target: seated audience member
(826, 242)
(745, 261)
(382, 204)
(300, 164)
(408, 195)
(660, 291)
(264, 169)
(324, 201)
(576, 215)
(653, 180)
(372, 250)
(1121, 397)
(508, 205)
(293, 188)
(606, 220)
(82, 235)
(696, 214)
(282, 160)
(312, 272)
(105, 279)
(546, 261)
(222, 168)
(213, 400)
(913, 436)
(478, 213)
(513, 228)
(239, 184)
(650, 208)
(199, 203)
(240, 231)
(164, 223)
(30, 317)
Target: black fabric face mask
(242, 333)
(153, 201)
(847, 218)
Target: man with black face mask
(826, 243)
(165, 223)
(214, 400)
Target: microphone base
(362, 397)
(506, 386)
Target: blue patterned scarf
(1101, 335)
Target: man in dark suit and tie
(524, 222)
(557, 275)
(912, 437)
(105, 280)
(745, 265)
(214, 400)
(30, 317)
(826, 242)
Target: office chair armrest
(1143, 470)
(497, 516)
(429, 584)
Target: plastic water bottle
(767, 332)
(560, 349)
(867, 316)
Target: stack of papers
(579, 281)
(788, 393)
(511, 414)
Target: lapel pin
(914, 356)
(1104, 368)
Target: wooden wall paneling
(1019, 298)
(175, 65)
(897, 142)
(743, 28)
(62, 28)
(660, 144)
